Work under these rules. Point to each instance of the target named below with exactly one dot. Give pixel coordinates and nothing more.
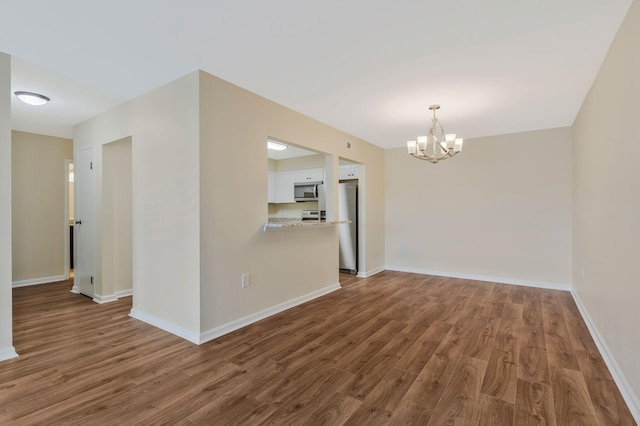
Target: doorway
(69, 218)
(112, 245)
(350, 206)
(116, 279)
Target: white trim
(172, 328)
(124, 293)
(623, 385)
(216, 332)
(67, 243)
(37, 281)
(370, 273)
(8, 353)
(75, 289)
(501, 280)
(98, 298)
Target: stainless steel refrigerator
(348, 232)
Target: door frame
(67, 242)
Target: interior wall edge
(6, 260)
(474, 277)
(618, 376)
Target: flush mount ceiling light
(276, 146)
(436, 145)
(32, 98)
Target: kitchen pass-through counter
(285, 222)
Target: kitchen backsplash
(291, 210)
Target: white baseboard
(124, 293)
(98, 298)
(111, 297)
(8, 353)
(214, 333)
(501, 280)
(192, 336)
(623, 385)
(36, 281)
(370, 273)
(75, 289)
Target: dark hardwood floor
(395, 348)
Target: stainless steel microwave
(306, 191)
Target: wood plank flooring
(395, 348)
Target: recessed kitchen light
(276, 146)
(31, 98)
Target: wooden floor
(395, 348)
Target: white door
(84, 223)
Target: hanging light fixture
(436, 145)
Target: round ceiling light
(277, 146)
(32, 98)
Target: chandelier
(436, 145)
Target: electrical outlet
(246, 280)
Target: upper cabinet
(281, 183)
(271, 191)
(348, 171)
(284, 186)
(310, 175)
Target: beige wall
(40, 228)
(284, 264)
(6, 343)
(117, 255)
(189, 161)
(500, 211)
(606, 201)
(163, 125)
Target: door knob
(78, 222)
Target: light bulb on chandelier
(436, 145)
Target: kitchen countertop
(283, 222)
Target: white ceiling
(368, 67)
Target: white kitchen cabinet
(271, 188)
(348, 171)
(281, 184)
(310, 175)
(284, 186)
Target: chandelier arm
(443, 136)
(431, 159)
(448, 154)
